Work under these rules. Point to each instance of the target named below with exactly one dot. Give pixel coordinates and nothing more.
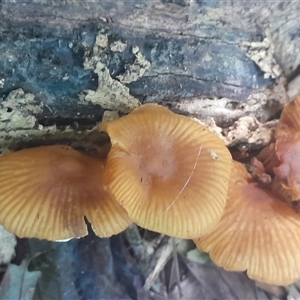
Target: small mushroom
(258, 233)
(279, 160)
(46, 192)
(288, 172)
(288, 148)
(168, 171)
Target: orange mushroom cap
(168, 171)
(257, 233)
(288, 148)
(288, 172)
(289, 122)
(45, 192)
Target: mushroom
(289, 122)
(288, 148)
(46, 192)
(288, 172)
(168, 171)
(257, 232)
(279, 160)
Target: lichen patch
(262, 53)
(18, 121)
(18, 110)
(111, 94)
(137, 69)
(118, 46)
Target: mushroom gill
(289, 122)
(45, 192)
(280, 159)
(168, 171)
(288, 148)
(257, 232)
(288, 172)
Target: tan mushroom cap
(288, 172)
(288, 148)
(289, 122)
(45, 192)
(257, 233)
(168, 171)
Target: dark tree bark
(217, 61)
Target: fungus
(168, 171)
(279, 160)
(288, 172)
(257, 232)
(288, 148)
(45, 192)
(289, 122)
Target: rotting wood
(218, 62)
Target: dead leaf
(18, 282)
(211, 282)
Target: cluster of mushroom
(170, 174)
(161, 168)
(260, 228)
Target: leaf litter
(136, 264)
